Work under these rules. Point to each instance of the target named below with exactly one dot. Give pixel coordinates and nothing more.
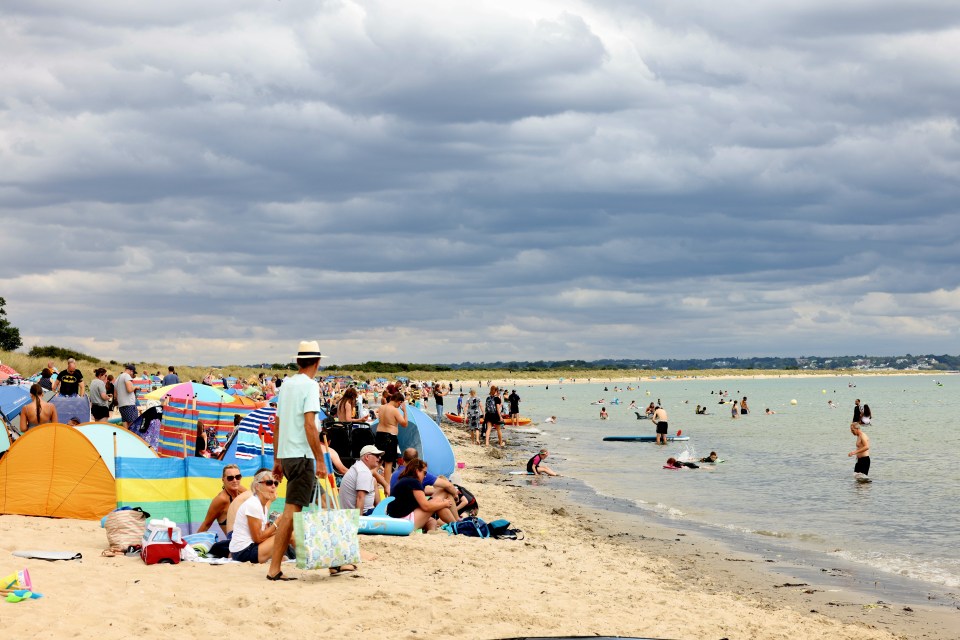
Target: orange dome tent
(54, 470)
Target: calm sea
(785, 477)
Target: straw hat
(309, 349)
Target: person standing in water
(862, 452)
(659, 418)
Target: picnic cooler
(162, 542)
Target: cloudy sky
(437, 181)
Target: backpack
(471, 508)
(472, 526)
(500, 530)
(491, 405)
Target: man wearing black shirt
(70, 381)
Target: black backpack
(471, 508)
(500, 530)
(491, 405)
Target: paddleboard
(863, 480)
(643, 438)
(521, 473)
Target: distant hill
(805, 363)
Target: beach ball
(793, 401)
(823, 391)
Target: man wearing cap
(126, 398)
(69, 382)
(296, 441)
(358, 487)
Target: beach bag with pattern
(125, 527)
(326, 538)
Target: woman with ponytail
(37, 411)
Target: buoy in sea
(793, 402)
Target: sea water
(786, 477)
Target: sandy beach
(577, 572)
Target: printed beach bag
(326, 538)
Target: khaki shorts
(301, 478)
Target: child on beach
(536, 467)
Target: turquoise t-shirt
(298, 395)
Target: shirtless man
(659, 418)
(392, 415)
(862, 468)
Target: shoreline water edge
(578, 571)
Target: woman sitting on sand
(411, 503)
(38, 412)
(253, 533)
(536, 467)
(221, 502)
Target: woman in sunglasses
(221, 503)
(253, 532)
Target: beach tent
(69, 407)
(423, 434)
(103, 436)
(54, 470)
(178, 429)
(181, 488)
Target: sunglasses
(232, 478)
(270, 483)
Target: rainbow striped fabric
(178, 432)
(181, 488)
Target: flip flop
(280, 576)
(335, 571)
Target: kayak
(643, 438)
(452, 417)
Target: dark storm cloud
(424, 182)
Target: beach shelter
(12, 400)
(113, 442)
(423, 434)
(253, 436)
(178, 429)
(69, 407)
(54, 470)
(181, 488)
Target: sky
(435, 181)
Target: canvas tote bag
(326, 538)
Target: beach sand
(577, 572)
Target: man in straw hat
(296, 446)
